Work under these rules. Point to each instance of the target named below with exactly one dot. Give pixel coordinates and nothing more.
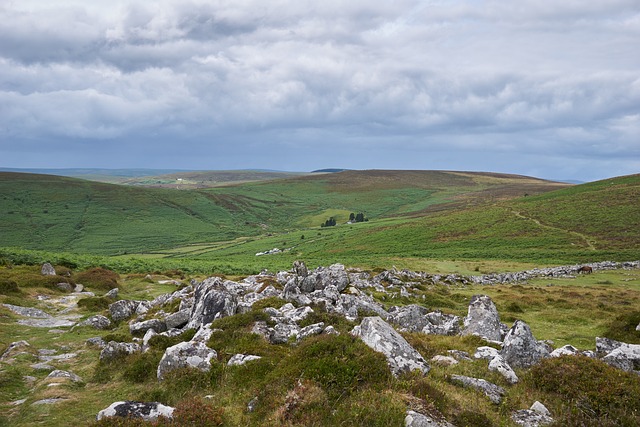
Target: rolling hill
(414, 215)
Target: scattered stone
(51, 322)
(65, 374)
(191, 354)
(441, 324)
(416, 419)
(241, 359)
(307, 331)
(15, 348)
(605, 346)
(486, 352)
(459, 355)
(625, 357)
(115, 349)
(148, 411)
(97, 322)
(178, 319)
(537, 416)
(96, 341)
(253, 403)
(330, 330)
(492, 391)
(498, 364)
(520, 349)
(49, 401)
(381, 337)
(411, 318)
(17, 402)
(65, 287)
(47, 269)
(567, 350)
(139, 328)
(443, 360)
(27, 311)
(42, 367)
(78, 288)
(483, 319)
(112, 294)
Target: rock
(47, 269)
(441, 324)
(412, 318)
(321, 277)
(112, 294)
(253, 403)
(330, 330)
(212, 300)
(300, 269)
(115, 349)
(98, 322)
(307, 331)
(483, 319)
(15, 348)
(65, 287)
(178, 319)
(605, 346)
(625, 357)
(139, 328)
(204, 333)
(241, 359)
(42, 367)
(459, 355)
(416, 419)
(96, 341)
(443, 360)
(78, 288)
(49, 401)
(486, 352)
(537, 416)
(381, 337)
(492, 391)
(282, 332)
(520, 349)
(65, 374)
(123, 309)
(567, 350)
(191, 354)
(27, 311)
(148, 411)
(498, 364)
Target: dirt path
(589, 243)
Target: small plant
(94, 304)
(8, 287)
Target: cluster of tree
(358, 218)
(330, 222)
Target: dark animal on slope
(585, 269)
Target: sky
(545, 88)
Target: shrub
(623, 328)
(142, 367)
(371, 408)
(8, 287)
(98, 278)
(471, 419)
(592, 392)
(94, 304)
(197, 413)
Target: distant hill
(328, 170)
(60, 213)
(206, 179)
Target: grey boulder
(212, 301)
(492, 391)
(483, 319)
(97, 322)
(123, 309)
(115, 349)
(191, 354)
(520, 349)
(381, 337)
(148, 411)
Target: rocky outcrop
(191, 354)
(381, 337)
(212, 301)
(322, 277)
(148, 411)
(140, 328)
(520, 349)
(483, 319)
(492, 391)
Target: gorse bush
(98, 278)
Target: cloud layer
(535, 87)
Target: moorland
(158, 234)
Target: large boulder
(625, 357)
(177, 319)
(321, 277)
(439, 323)
(140, 328)
(190, 354)
(381, 337)
(212, 301)
(520, 349)
(412, 318)
(47, 269)
(122, 309)
(148, 411)
(483, 319)
(498, 364)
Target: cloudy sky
(538, 87)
